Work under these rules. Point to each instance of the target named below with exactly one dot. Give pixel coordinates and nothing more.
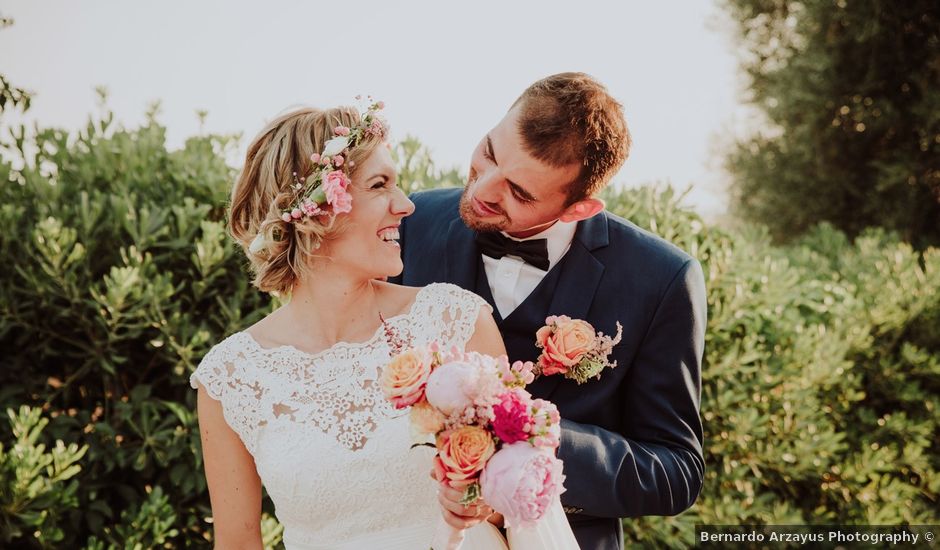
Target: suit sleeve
(655, 466)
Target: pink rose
(341, 131)
(334, 187)
(462, 454)
(520, 482)
(453, 386)
(403, 380)
(338, 161)
(342, 204)
(565, 344)
(512, 421)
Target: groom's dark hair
(570, 118)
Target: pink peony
(520, 482)
(452, 387)
(512, 421)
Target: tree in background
(852, 94)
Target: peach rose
(564, 346)
(426, 418)
(404, 378)
(462, 453)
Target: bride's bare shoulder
(399, 298)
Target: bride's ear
(582, 210)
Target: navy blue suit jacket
(631, 441)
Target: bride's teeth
(389, 235)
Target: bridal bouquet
(493, 439)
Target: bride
(292, 403)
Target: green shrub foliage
(820, 379)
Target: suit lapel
(578, 280)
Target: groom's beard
(470, 217)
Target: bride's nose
(401, 204)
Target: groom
(527, 234)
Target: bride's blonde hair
(279, 155)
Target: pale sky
(447, 71)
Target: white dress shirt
(512, 280)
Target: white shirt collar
(559, 236)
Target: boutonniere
(571, 347)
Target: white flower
(258, 244)
(335, 146)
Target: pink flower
(519, 374)
(564, 343)
(341, 131)
(286, 217)
(520, 482)
(404, 378)
(546, 424)
(296, 213)
(309, 207)
(342, 204)
(376, 128)
(462, 454)
(315, 158)
(512, 421)
(338, 161)
(324, 160)
(453, 386)
(334, 187)
(379, 104)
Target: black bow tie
(496, 245)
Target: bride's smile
(365, 244)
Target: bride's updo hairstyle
(279, 246)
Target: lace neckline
(379, 332)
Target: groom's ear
(582, 210)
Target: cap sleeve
(226, 374)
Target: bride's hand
(456, 514)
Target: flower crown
(327, 185)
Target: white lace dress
(332, 453)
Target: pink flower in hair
(286, 217)
(376, 128)
(338, 161)
(342, 203)
(341, 131)
(315, 158)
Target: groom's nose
(488, 187)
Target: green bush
(820, 376)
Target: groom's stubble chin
(472, 220)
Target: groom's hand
(456, 514)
